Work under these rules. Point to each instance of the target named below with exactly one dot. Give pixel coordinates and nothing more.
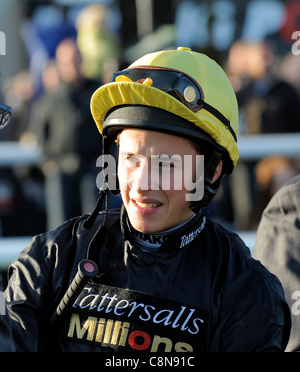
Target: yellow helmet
(198, 91)
(179, 92)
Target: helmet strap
(210, 189)
(89, 222)
(103, 194)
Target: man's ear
(218, 171)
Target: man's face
(149, 188)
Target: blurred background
(55, 54)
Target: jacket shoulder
(69, 239)
(249, 289)
(242, 269)
(76, 225)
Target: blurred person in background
(271, 173)
(22, 190)
(289, 70)
(5, 114)
(96, 42)
(64, 126)
(268, 103)
(278, 248)
(19, 93)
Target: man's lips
(146, 203)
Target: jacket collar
(176, 240)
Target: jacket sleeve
(6, 342)
(278, 246)
(26, 296)
(258, 322)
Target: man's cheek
(122, 176)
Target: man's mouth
(148, 205)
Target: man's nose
(141, 177)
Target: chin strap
(103, 194)
(210, 189)
(89, 222)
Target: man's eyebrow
(162, 157)
(172, 159)
(127, 153)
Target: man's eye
(132, 161)
(166, 165)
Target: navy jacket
(201, 291)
